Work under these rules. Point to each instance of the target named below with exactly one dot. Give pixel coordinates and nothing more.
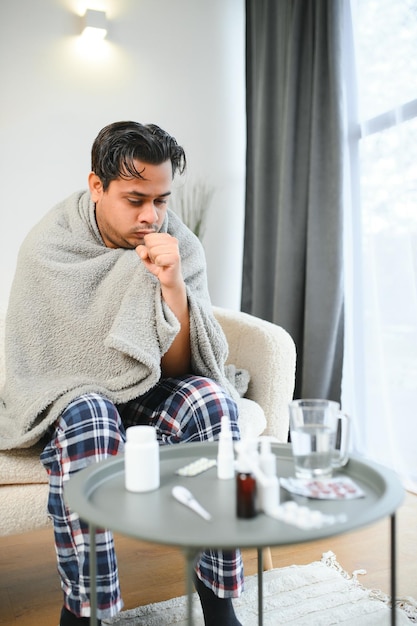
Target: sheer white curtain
(380, 369)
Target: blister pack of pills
(196, 467)
(339, 488)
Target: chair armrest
(268, 352)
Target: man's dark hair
(118, 145)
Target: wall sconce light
(94, 24)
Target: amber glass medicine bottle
(245, 488)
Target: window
(385, 36)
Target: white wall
(178, 64)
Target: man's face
(132, 208)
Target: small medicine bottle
(245, 486)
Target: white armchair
(265, 350)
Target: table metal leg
(260, 587)
(93, 575)
(190, 556)
(393, 571)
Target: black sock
(69, 619)
(217, 611)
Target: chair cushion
(22, 466)
(23, 508)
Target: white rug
(318, 594)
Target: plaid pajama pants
(92, 428)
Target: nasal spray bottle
(225, 453)
(269, 493)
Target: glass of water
(319, 437)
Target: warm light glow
(92, 48)
(93, 33)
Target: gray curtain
(292, 269)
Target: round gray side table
(98, 495)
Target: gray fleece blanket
(86, 318)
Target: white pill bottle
(142, 471)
